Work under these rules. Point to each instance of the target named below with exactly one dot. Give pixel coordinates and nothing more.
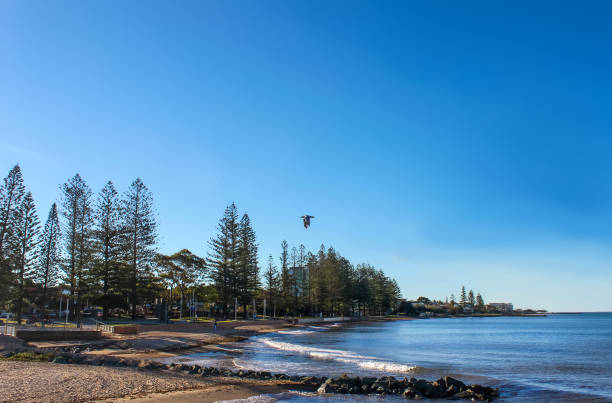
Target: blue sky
(448, 144)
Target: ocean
(565, 358)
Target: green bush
(29, 356)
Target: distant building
(500, 306)
(468, 308)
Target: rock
(409, 392)
(124, 345)
(367, 381)
(420, 384)
(326, 387)
(60, 360)
(452, 390)
(308, 380)
(430, 389)
(124, 362)
(91, 361)
(447, 381)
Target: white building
(500, 306)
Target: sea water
(553, 358)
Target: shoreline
(107, 362)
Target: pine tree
(78, 223)
(285, 277)
(247, 268)
(26, 236)
(107, 235)
(271, 283)
(223, 256)
(12, 192)
(463, 299)
(304, 277)
(140, 226)
(295, 277)
(471, 299)
(479, 302)
(46, 273)
(452, 300)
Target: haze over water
(560, 357)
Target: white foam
(295, 332)
(387, 366)
(347, 357)
(230, 350)
(284, 396)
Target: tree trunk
(105, 286)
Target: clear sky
(448, 143)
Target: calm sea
(553, 358)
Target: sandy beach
(47, 381)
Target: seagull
(306, 219)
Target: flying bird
(306, 219)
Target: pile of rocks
(412, 388)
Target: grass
(38, 324)
(29, 356)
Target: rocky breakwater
(446, 387)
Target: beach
(242, 359)
(47, 382)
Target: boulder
(430, 389)
(308, 380)
(60, 360)
(409, 392)
(326, 387)
(420, 384)
(447, 381)
(367, 380)
(452, 390)
(123, 345)
(354, 390)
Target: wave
(347, 357)
(277, 397)
(295, 332)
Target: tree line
(102, 248)
(326, 283)
(468, 299)
(97, 247)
